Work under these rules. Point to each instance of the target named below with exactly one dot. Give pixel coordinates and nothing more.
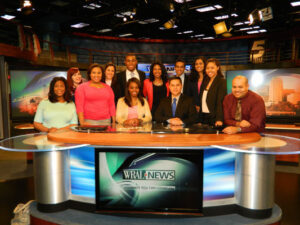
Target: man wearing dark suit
(179, 72)
(130, 72)
(177, 109)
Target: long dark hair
(127, 98)
(163, 72)
(52, 96)
(114, 79)
(194, 74)
(91, 67)
(215, 61)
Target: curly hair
(164, 76)
(52, 96)
(127, 98)
(91, 67)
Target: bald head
(240, 86)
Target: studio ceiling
(104, 17)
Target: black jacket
(185, 110)
(121, 77)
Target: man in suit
(177, 109)
(179, 72)
(244, 110)
(130, 72)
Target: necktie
(132, 74)
(174, 107)
(238, 111)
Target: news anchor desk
(254, 161)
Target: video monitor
(28, 88)
(280, 89)
(149, 182)
(145, 67)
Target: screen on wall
(280, 89)
(28, 88)
(149, 181)
(145, 67)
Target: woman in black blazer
(196, 80)
(110, 79)
(212, 94)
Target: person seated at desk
(133, 109)
(58, 111)
(244, 110)
(177, 109)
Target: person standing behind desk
(179, 72)
(95, 100)
(58, 111)
(244, 110)
(74, 79)
(133, 109)
(177, 109)
(212, 94)
(110, 79)
(130, 72)
(156, 87)
(195, 80)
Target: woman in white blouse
(133, 109)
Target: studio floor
(16, 186)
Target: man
(244, 110)
(130, 72)
(177, 109)
(179, 72)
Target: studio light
(220, 28)
(26, 7)
(169, 24)
(172, 8)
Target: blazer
(215, 96)
(185, 110)
(192, 91)
(185, 85)
(148, 91)
(117, 91)
(144, 112)
(121, 77)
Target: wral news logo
(149, 174)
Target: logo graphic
(168, 175)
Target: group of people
(129, 99)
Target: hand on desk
(245, 123)
(132, 122)
(175, 121)
(230, 130)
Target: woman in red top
(156, 87)
(95, 100)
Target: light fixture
(220, 28)
(80, 25)
(8, 17)
(295, 3)
(182, 1)
(125, 35)
(26, 7)
(131, 16)
(172, 8)
(209, 8)
(124, 19)
(104, 30)
(169, 24)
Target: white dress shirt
(131, 74)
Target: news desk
(253, 183)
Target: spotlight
(169, 24)
(26, 7)
(124, 19)
(131, 16)
(220, 28)
(172, 8)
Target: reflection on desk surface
(155, 128)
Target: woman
(212, 94)
(133, 109)
(110, 79)
(94, 99)
(58, 111)
(74, 79)
(196, 80)
(156, 87)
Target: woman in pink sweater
(95, 100)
